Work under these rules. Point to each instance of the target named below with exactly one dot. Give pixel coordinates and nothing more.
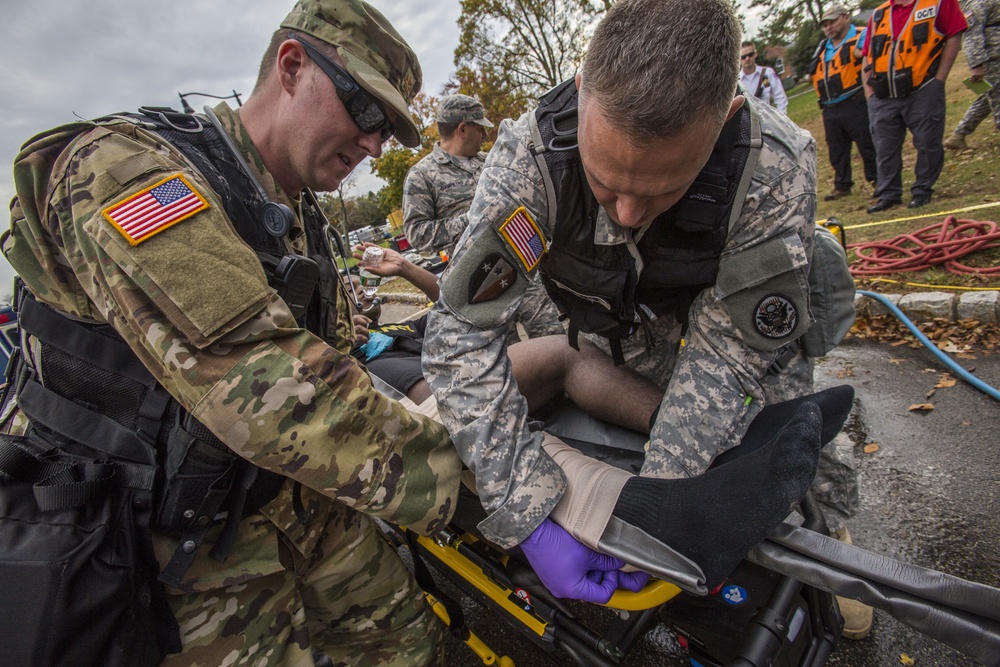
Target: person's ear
(735, 106)
(289, 64)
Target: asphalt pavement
(928, 495)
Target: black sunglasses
(364, 109)
(744, 56)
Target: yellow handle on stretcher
(654, 594)
(484, 652)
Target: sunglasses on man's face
(744, 56)
(364, 109)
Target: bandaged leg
(694, 531)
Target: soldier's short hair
(447, 130)
(657, 67)
(270, 56)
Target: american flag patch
(152, 210)
(522, 234)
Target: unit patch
(775, 316)
(152, 210)
(523, 236)
(494, 276)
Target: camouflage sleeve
(424, 230)
(465, 359)
(974, 39)
(714, 391)
(193, 302)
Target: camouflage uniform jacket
(437, 193)
(713, 383)
(194, 305)
(981, 42)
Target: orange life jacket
(841, 74)
(903, 63)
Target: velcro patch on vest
(924, 14)
(150, 211)
(525, 239)
(494, 276)
(775, 317)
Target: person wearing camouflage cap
(836, 76)
(242, 326)
(439, 188)
(672, 220)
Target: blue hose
(961, 372)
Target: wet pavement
(929, 495)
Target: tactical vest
(903, 63)
(597, 287)
(839, 75)
(90, 389)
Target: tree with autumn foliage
(526, 46)
(795, 23)
(397, 159)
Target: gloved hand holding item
(569, 569)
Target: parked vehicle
(8, 335)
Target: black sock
(835, 403)
(715, 518)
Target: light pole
(187, 107)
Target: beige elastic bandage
(591, 492)
(592, 486)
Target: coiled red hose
(940, 244)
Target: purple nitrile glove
(568, 568)
(633, 581)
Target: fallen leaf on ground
(899, 342)
(844, 373)
(871, 448)
(905, 659)
(964, 336)
(946, 381)
(921, 407)
(930, 393)
(896, 361)
(966, 356)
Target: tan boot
(857, 615)
(956, 142)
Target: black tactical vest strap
(597, 286)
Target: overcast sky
(87, 58)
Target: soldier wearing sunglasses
(239, 328)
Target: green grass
(970, 178)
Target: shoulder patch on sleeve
(524, 238)
(148, 212)
(494, 276)
(765, 291)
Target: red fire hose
(941, 243)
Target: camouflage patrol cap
(462, 109)
(834, 11)
(372, 51)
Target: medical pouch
(831, 295)
(198, 478)
(76, 564)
